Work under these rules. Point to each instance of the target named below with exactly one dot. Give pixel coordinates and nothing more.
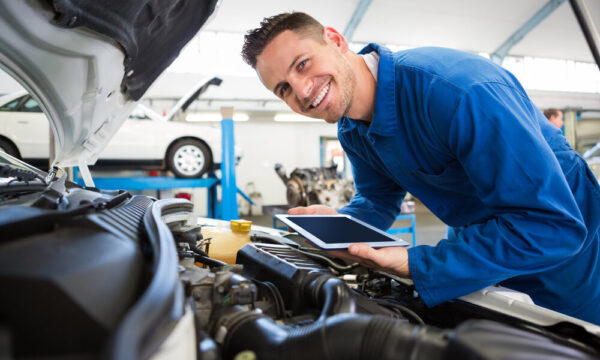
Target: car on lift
(146, 140)
(90, 273)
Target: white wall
(8, 84)
(267, 143)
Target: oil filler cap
(240, 225)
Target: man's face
(557, 120)
(314, 78)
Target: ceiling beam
(359, 12)
(586, 21)
(498, 55)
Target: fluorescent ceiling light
(287, 117)
(215, 116)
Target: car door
(24, 123)
(135, 140)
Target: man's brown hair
(548, 113)
(257, 39)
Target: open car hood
(88, 62)
(186, 100)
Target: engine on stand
(318, 185)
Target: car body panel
(69, 72)
(30, 130)
(77, 75)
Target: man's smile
(320, 96)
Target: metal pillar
(570, 118)
(498, 55)
(229, 209)
(356, 18)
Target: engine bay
(295, 301)
(91, 274)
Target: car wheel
(8, 148)
(189, 158)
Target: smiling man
(461, 134)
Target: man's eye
(301, 64)
(283, 89)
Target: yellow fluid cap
(240, 225)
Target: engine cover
(281, 265)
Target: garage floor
(429, 228)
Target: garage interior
(259, 159)
(539, 41)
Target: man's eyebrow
(294, 62)
(288, 70)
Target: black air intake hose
(363, 337)
(343, 336)
(334, 335)
(328, 293)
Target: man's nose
(302, 86)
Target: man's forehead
(283, 46)
(274, 61)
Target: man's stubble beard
(347, 92)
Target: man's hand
(393, 260)
(312, 210)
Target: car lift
(229, 189)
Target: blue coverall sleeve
(377, 200)
(495, 135)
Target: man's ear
(332, 35)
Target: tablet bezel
(284, 218)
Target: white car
(146, 139)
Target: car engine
(94, 274)
(295, 302)
(319, 185)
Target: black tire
(189, 158)
(8, 147)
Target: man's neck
(363, 100)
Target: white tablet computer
(334, 232)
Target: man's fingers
(394, 259)
(300, 210)
(363, 251)
(311, 210)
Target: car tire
(9, 148)
(189, 158)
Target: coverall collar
(384, 112)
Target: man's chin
(332, 121)
(328, 118)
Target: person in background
(460, 133)
(555, 116)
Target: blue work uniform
(460, 134)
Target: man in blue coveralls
(461, 134)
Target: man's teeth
(321, 96)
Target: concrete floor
(430, 229)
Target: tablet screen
(339, 231)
